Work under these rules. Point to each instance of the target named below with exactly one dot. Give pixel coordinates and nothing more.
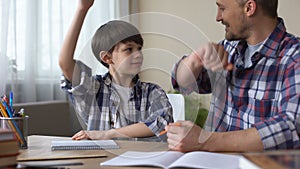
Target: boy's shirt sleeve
(82, 90)
(160, 111)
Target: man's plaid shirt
(264, 95)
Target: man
(261, 65)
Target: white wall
(289, 11)
(187, 19)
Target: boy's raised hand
(85, 4)
(66, 57)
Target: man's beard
(241, 34)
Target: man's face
(232, 15)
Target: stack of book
(9, 148)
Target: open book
(173, 159)
(83, 144)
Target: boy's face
(127, 58)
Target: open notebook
(173, 159)
(83, 144)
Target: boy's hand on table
(92, 135)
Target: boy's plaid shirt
(97, 102)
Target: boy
(117, 104)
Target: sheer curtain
(31, 35)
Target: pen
(13, 124)
(7, 108)
(2, 109)
(53, 165)
(4, 98)
(11, 97)
(165, 131)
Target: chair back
(177, 102)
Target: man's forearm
(187, 72)
(237, 141)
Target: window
(31, 35)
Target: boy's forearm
(66, 61)
(134, 130)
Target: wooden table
(39, 146)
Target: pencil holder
(20, 127)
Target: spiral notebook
(83, 144)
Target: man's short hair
(269, 7)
